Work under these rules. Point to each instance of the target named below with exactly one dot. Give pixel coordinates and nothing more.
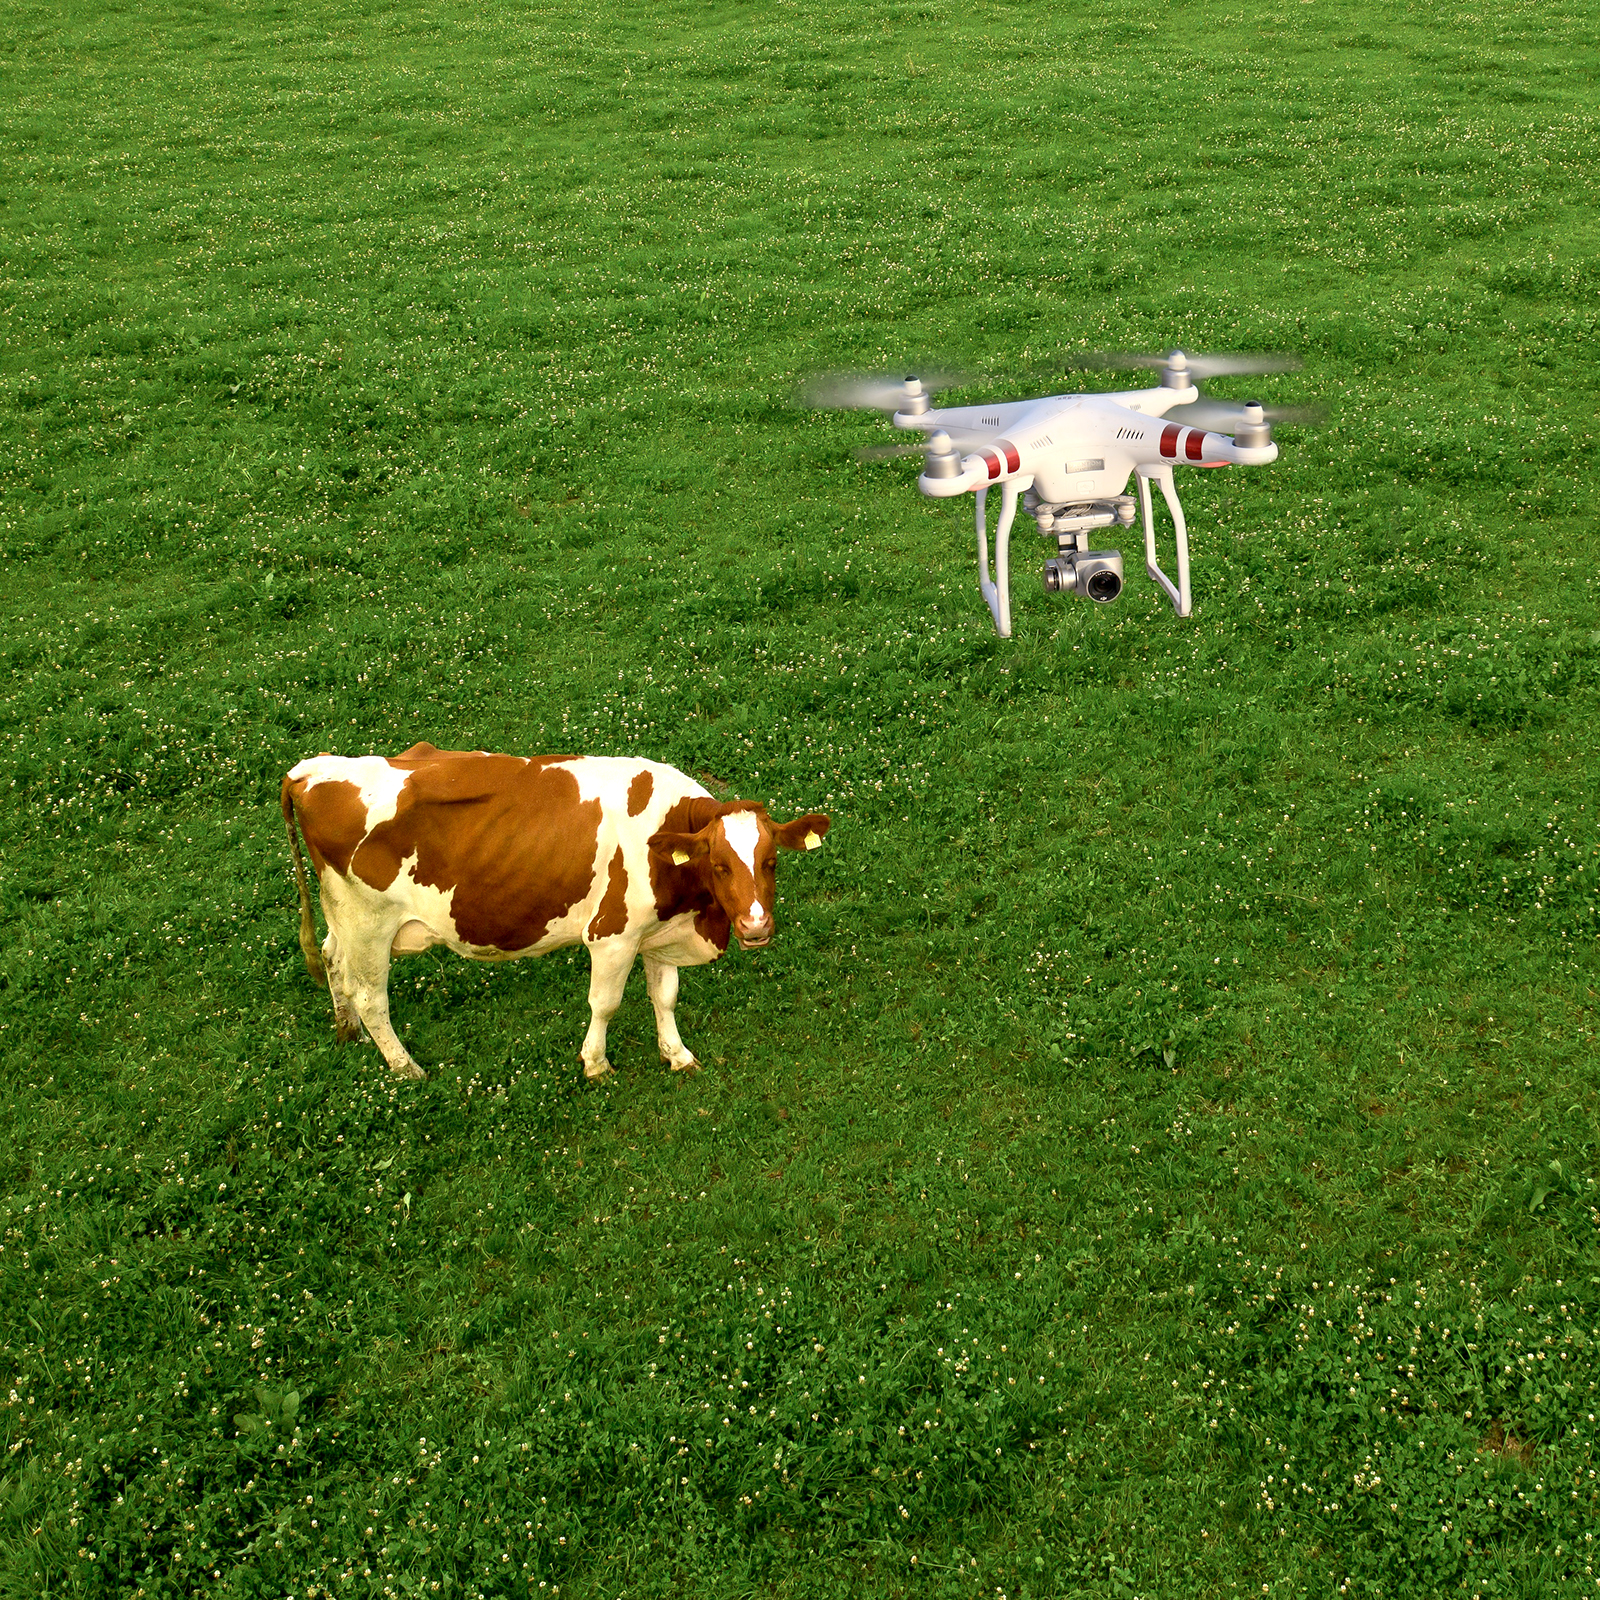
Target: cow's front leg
(366, 968)
(661, 978)
(610, 962)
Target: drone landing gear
(1178, 593)
(996, 586)
(996, 591)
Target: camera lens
(1104, 585)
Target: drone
(1067, 459)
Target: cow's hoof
(593, 1075)
(683, 1064)
(408, 1069)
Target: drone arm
(1178, 593)
(975, 474)
(989, 419)
(1198, 447)
(1154, 402)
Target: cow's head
(735, 854)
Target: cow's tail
(308, 929)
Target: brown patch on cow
(639, 792)
(419, 755)
(712, 925)
(509, 835)
(333, 819)
(694, 811)
(683, 888)
(612, 917)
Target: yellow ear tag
(680, 858)
(813, 840)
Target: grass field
(1157, 1156)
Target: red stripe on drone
(1169, 439)
(1003, 458)
(1194, 445)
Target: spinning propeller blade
(965, 440)
(864, 391)
(1200, 367)
(886, 452)
(1224, 416)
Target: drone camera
(1091, 574)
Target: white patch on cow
(743, 833)
(425, 909)
(412, 939)
(608, 779)
(678, 942)
(380, 789)
(380, 784)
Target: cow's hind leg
(366, 969)
(346, 1019)
(661, 979)
(610, 961)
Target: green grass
(1158, 1154)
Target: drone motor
(942, 460)
(1254, 428)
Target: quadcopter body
(1067, 459)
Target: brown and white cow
(506, 856)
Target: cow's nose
(753, 931)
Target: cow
(502, 856)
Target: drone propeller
(1226, 416)
(887, 452)
(940, 442)
(1199, 367)
(859, 391)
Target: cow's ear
(679, 849)
(804, 833)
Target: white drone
(1068, 458)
